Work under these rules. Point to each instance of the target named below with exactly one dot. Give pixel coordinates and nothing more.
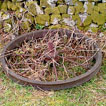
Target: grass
(92, 93)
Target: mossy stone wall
(87, 15)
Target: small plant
(39, 26)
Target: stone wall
(84, 14)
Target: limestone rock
(93, 25)
(85, 7)
(104, 1)
(69, 2)
(38, 9)
(52, 3)
(83, 17)
(101, 34)
(71, 10)
(69, 22)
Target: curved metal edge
(53, 85)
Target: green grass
(92, 93)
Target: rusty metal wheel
(53, 85)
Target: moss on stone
(101, 19)
(71, 10)
(86, 28)
(25, 25)
(62, 9)
(14, 1)
(96, 8)
(12, 6)
(75, 17)
(93, 29)
(0, 4)
(18, 14)
(1, 13)
(65, 16)
(1, 24)
(98, 18)
(79, 7)
(94, 16)
(79, 23)
(65, 27)
(4, 6)
(87, 21)
(55, 10)
(80, 27)
(102, 8)
(5, 16)
(48, 10)
(29, 17)
(59, 2)
(43, 3)
(75, 1)
(55, 19)
(90, 8)
(42, 19)
(9, 21)
(58, 26)
(6, 27)
(32, 8)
